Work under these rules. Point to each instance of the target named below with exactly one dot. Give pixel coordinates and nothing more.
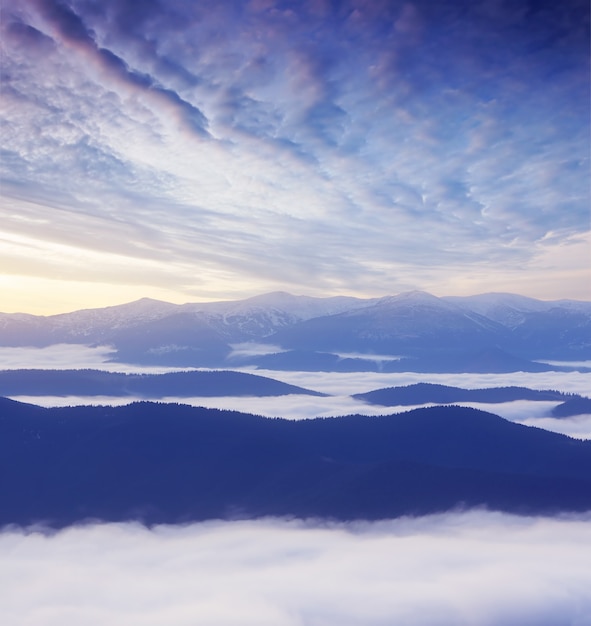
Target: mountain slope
(260, 316)
(509, 330)
(410, 323)
(233, 320)
(573, 406)
(172, 463)
(560, 328)
(182, 384)
(424, 393)
(418, 324)
(511, 309)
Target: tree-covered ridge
(88, 382)
(574, 406)
(173, 463)
(426, 393)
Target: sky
(194, 150)
(482, 568)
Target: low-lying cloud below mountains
(333, 391)
(412, 331)
(454, 569)
(296, 407)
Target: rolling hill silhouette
(173, 463)
(89, 382)
(426, 393)
(573, 406)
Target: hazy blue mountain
(89, 382)
(88, 326)
(230, 321)
(399, 325)
(538, 328)
(484, 360)
(181, 339)
(424, 393)
(508, 309)
(442, 361)
(423, 326)
(309, 360)
(260, 316)
(173, 463)
(490, 332)
(573, 406)
(512, 310)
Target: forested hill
(174, 463)
(88, 382)
(423, 393)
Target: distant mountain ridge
(416, 325)
(426, 393)
(573, 406)
(88, 382)
(236, 320)
(168, 463)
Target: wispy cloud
(229, 147)
(70, 356)
(457, 568)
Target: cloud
(339, 385)
(252, 348)
(358, 146)
(466, 568)
(69, 28)
(56, 356)
(345, 383)
(301, 406)
(376, 358)
(65, 356)
(578, 426)
(586, 363)
(70, 356)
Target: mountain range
(169, 463)
(413, 331)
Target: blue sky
(196, 150)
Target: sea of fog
(455, 569)
(340, 386)
(461, 568)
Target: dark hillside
(423, 393)
(573, 406)
(184, 384)
(174, 463)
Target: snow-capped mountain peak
(396, 325)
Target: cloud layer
(212, 149)
(465, 568)
(298, 407)
(73, 356)
(338, 385)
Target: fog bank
(469, 568)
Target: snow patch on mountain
(512, 310)
(80, 323)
